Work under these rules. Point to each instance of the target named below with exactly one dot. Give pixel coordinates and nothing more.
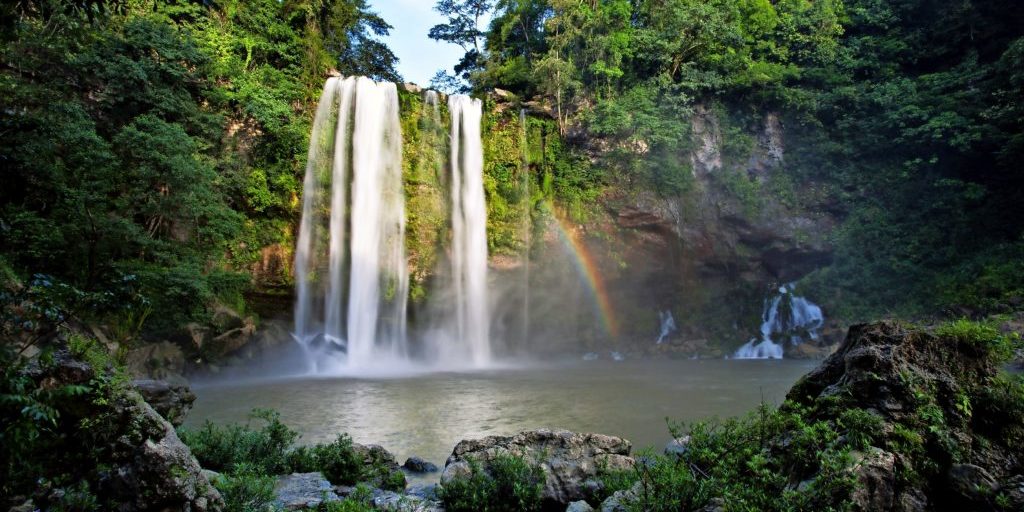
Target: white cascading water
(469, 230)
(804, 317)
(668, 325)
(354, 171)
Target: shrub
(508, 484)
(246, 490)
(222, 449)
(338, 462)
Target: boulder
(806, 351)
(568, 459)
(172, 399)
(162, 474)
(384, 470)
(141, 464)
(299, 491)
(418, 465)
(155, 361)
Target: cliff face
(592, 268)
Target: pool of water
(427, 414)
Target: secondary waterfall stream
(351, 268)
(787, 317)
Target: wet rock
(299, 491)
(579, 506)
(876, 478)
(568, 459)
(155, 361)
(172, 399)
(418, 465)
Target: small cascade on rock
(354, 214)
(527, 227)
(668, 325)
(786, 318)
(469, 231)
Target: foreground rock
(570, 460)
(171, 398)
(141, 464)
(947, 441)
(299, 491)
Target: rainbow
(589, 273)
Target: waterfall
(803, 316)
(354, 172)
(668, 325)
(469, 229)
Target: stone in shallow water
(303, 490)
(418, 465)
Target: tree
(463, 29)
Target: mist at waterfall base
(787, 318)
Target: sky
(419, 56)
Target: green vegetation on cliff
(165, 140)
(902, 119)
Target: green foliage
(165, 140)
(228, 448)
(247, 489)
(508, 483)
(982, 335)
(743, 462)
(338, 462)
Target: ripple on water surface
(426, 414)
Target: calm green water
(427, 415)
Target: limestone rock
(161, 474)
(568, 459)
(172, 399)
(299, 491)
